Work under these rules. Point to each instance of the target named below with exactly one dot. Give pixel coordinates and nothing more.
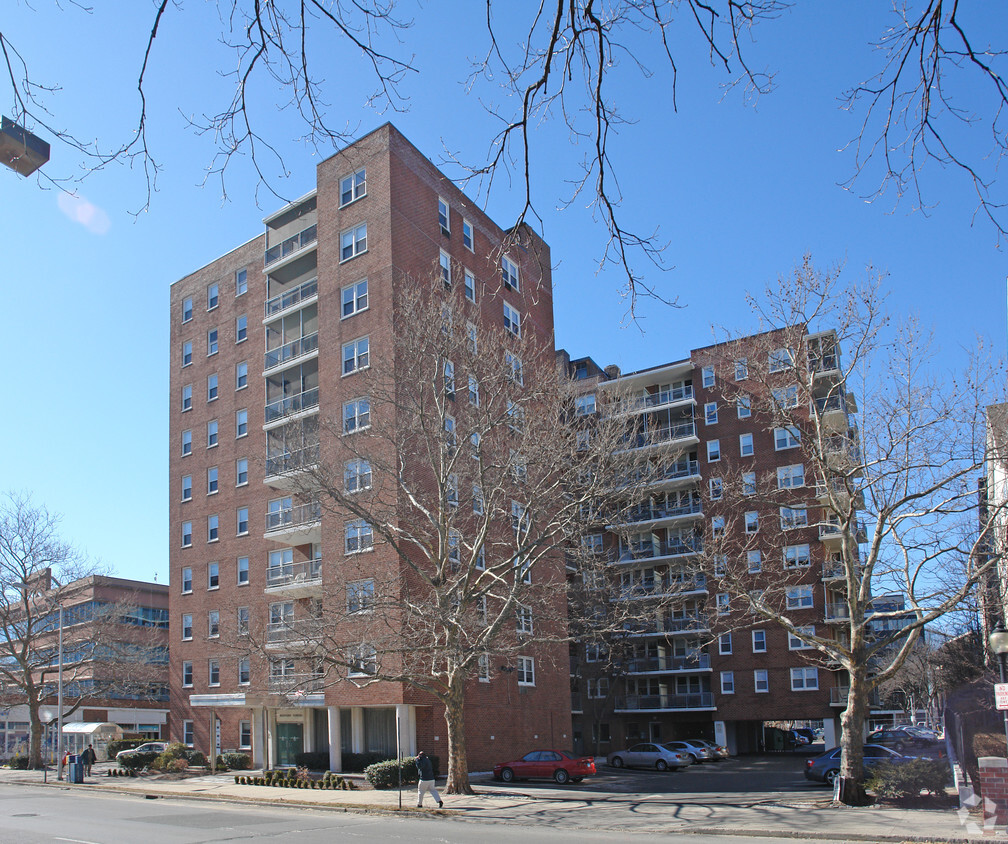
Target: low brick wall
(994, 790)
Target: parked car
(649, 755)
(146, 747)
(809, 734)
(901, 738)
(826, 768)
(692, 748)
(557, 765)
(719, 750)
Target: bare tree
(891, 499)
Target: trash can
(75, 770)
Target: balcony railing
(294, 684)
(688, 624)
(292, 461)
(659, 399)
(664, 434)
(290, 351)
(295, 630)
(638, 703)
(292, 404)
(648, 513)
(830, 404)
(292, 244)
(663, 588)
(289, 298)
(295, 516)
(287, 574)
(656, 550)
(833, 529)
(837, 612)
(823, 363)
(699, 662)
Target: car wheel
(661, 765)
(561, 776)
(617, 761)
(831, 775)
(694, 760)
(507, 775)
(899, 747)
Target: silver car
(148, 747)
(648, 755)
(696, 751)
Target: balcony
(669, 664)
(282, 469)
(288, 299)
(823, 363)
(656, 436)
(832, 532)
(296, 525)
(837, 612)
(303, 631)
(838, 697)
(664, 588)
(294, 685)
(655, 401)
(689, 624)
(833, 411)
(291, 352)
(657, 550)
(292, 245)
(297, 580)
(291, 405)
(665, 703)
(650, 513)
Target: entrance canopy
(94, 729)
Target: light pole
(59, 700)
(998, 640)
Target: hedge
(385, 774)
(135, 761)
(908, 779)
(237, 761)
(313, 760)
(19, 763)
(357, 762)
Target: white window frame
(525, 670)
(716, 488)
(473, 391)
(791, 477)
(761, 678)
(478, 502)
(187, 398)
(717, 526)
(512, 319)
(241, 375)
(780, 360)
(187, 354)
(785, 398)
(707, 377)
(468, 235)
(801, 677)
(523, 623)
(723, 603)
(241, 471)
(213, 528)
(187, 675)
(187, 627)
(188, 736)
(358, 537)
(241, 328)
(510, 275)
(749, 483)
(598, 688)
(746, 446)
(213, 624)
(363, 661)
(187, 534)
(725, 644)
(187, 581)
(759, 643)
(213, 576)
(797, 556)
(796, 644)
(444, 262)
(786, 437)
(212, 387)
(469, 285)
(360, 415)
(444, 215)
(713, 451)
(212, 342)
(585, 405)
(793, 518)
(187, 310)
(514, 363)
(353, 187)
(800, 597)
(710, 413)
(751, 521)
(212, 296)
(741, 369)
(213, 480)
(244, 735)
(358, 299)
(187, 487)
(241, 423)
(357, 475)
(360, 596)
(241, 282)
(240, 521)
(212, 433)
(353, 239)
(754, 561)
(244, 670)
(360, 355)
(242, 571)
(743, 407)
(186, 443)
(483, 673)
(727, 682)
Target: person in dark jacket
(88, 758)
(425, 772)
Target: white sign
(217, 724)
(1001, 695)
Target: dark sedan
(826, 768)
(900, 739)
(546, 764)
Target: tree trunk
(35, 734)
(851, 791)
(458, 766)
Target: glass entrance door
(290, 742)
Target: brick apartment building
(267, 342)
(710, 668)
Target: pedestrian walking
(88, 758)
(425, 771)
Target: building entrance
(290, 742)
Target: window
(363, 662)
(187, 675)
(760, 680)
(717, 524)
(187, 733)
(356, 415)
(716, 488)
(213, 576)
(797, 556)
(752, 522)
(749, 483)
(443, 216)
(213, 672)
(598, 687)
(358, 536)
(789, 477)
(724, 644)
(526, 671)
(754, 559)
(211, 387)
(743, 407)
(785, 398)
(187, 353)
(713, 451)
(241, 423)
(213, 528)
(241, 375)
(473, 391)
(360, 596)
(524, 619)
(211, 433)
(512, 320)
(186, 310)
(780, 359)
(449, 434)
(212, 296)
(241, 471)
(186, 580)
(793, 517)
(245, 735)
(353, 187)
(213, 624)
(451, 491)
(187, 398)
(445, 264)
(786, 438)
(477, 500)
(759, 641)
(186, 627)
(509, 273)
(474, 444)
(710, 413)
(796, 643)
(484, 668)
(727, 682)
(470, 285)
(746, 445)
(244, 672)
(211, 342)
(186, 487)
(799, 598)
(723, 603)
(514, 363)
(186, 443)
(584, 405)
(355, 298)
(211, 479)
(449, 379)
(707, 376)
(353, 242)
(243, 521)
(356, 475)
(804, 679)
(720, 565)
(467, 235)
(472, 335)
(241, 329)
(241, 282)
(355, 355)
(242, 624)
(741, 369)
(243, 571)
(186, 534)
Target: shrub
(138, 760)
(220, 764)
(237, 761)
(385, 774)
(19, 763)
(197, 759)
(313, 761)
(908, 779)
(358, 762)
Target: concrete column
(271, 737)
(357, 733)
(407, 729)
(831, 733)
(335, 740)
(308, 729)
(258, 740)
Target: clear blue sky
(740, 193)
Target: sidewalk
(577, 809)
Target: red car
(546, 764)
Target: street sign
(1001, 695)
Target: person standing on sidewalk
(88, 758)
(425, 771)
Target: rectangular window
(241, 423)
(358, 536)
(585, 405)
(785, 438)
(213, 624)
(355, 355)
(746, 445)
(716, 488)
(444, 263)
(785, 398)
(244, 671)
(449, 434)
(213, 528)
(749, 483)
(186, 580)
(187, 733)
(363, 662)
(484, 668)
(717, 526)
(515, 365)
(241, 375)
(244, 735)
(793, 517)
(356, 475)
(524, 616)
(467, 235)
(186, 310)
(512, 320)
(242, 623)
(243, 571)
(525, 670)
(509, 274)
(211, 433)
(727, 682)
(241, 282)
(449, 379)
(187, 398)
(741, 369)
(443, 217)
(710, 413)
(356, 415)
(186, 443)
(243, 521)
(472, 337)
(707, 376)
(212, 296)
(187, 353)
(451, 491)
(800, 598)
(796, 643)
(761, 681)
(470, 285)
(743, 407)
(187, 675)
(797, 556)
(353, 187)
(759, 641)
(780, 359)
(213, 672)
(353, 242)
(186, 487)
(355, 298)
(473, 391)
(713, 451)
(789, 477)
(211, 342)
(241, 471)
(211, 387)
(598, 688)
(754, 560)
(186, 534)
(752, 522)
(724, 644)
(241, 328)
(804, 679)
(211, 478)
(477, 499)
(723, 602)
(360, 596)
(186, 627)
(480, 560)
(213, 576)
